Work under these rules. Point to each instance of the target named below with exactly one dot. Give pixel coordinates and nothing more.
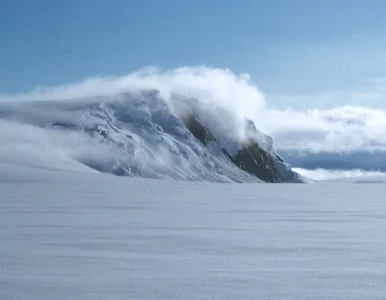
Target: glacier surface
(77, 235)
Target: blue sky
(288, 47)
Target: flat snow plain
(89, 236)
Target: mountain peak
(142, 134)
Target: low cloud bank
(349, 175)
(342, 128)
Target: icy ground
(89, 236)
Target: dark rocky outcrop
(251, 158)
(255, 161)
(198, 130)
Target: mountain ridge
(142, 134)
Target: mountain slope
(141, 134)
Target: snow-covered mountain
(140, 133)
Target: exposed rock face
(251, 157)
(199, 131)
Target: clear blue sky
(289, 47)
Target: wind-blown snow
(333, 128)
(314, 129)
(134, 133)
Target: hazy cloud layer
(339, 129)
(350, 175)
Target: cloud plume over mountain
(340, 129)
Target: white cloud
(351, 175)
(212, 85)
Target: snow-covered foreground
(85, 236)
